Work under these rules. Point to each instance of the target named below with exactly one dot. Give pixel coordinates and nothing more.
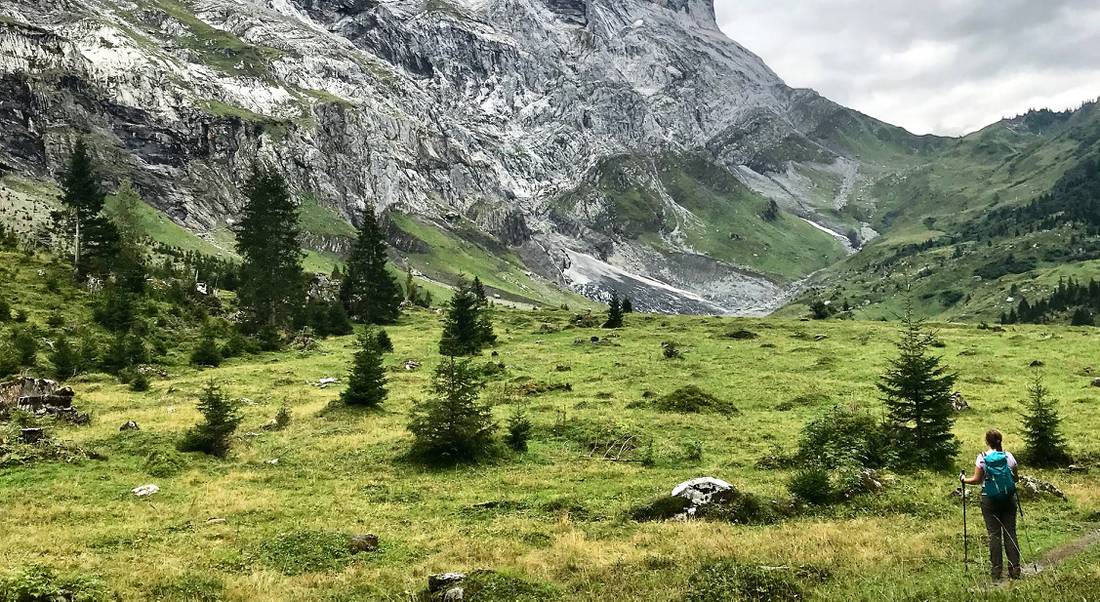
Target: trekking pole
(1023, 531)
(966, 540)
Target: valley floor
(557, 516)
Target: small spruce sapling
(614, 312)
(1046, 445)
(367, 380)
(221, 417)
(519, 430)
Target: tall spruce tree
(124, 208)
(272, 285)
(95, 239)
(467, 327)
(1046, 445)
(614, 312)
(917, 393)
(367, 380)
(369, 291)
(451, 425)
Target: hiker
(995, 470)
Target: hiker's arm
(976, 479)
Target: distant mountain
(999, 215)
(550, 146)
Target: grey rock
(129, 425)
(1030, 487)
(442, 581)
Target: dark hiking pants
(1000, 524)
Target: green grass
(219, 49)
(452, 256)
(556, 519)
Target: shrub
(206, 353)
(140, 383)
(728, 580)
(844, 437)
(164, 463)
(519, 431)
(25, 345)
(740, 508)
(124, 351)
(42, 584)
(5, 310)
(221, 418)
(693, 451)
(452, 425)
(238, 345)
(55, 320)
(384, 342)
(66, 361)
(811, 485)
(693, 400)
(670, 350)
(282, 418)
(114, 309)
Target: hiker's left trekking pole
(966, 540)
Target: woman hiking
(995, 471)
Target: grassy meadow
(271, 522)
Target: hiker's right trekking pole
(966, 540)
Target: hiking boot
(1014, 572)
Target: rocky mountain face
(609, 144)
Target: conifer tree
(207, 353)
(465, 330)
(917, 393)
(1046, 445)
(614, 312)
(451, 425)
(479, 292)
(65, 359)
(124, 208)
(367, 379)
(369, 291)
(221, 417)
(95, 239)
(272, 285)
(628, 306)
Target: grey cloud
(947, 66)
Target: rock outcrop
(494, 113)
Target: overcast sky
(931, 66)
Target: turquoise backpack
(999, 484)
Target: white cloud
(935, 66)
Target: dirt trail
(1062, 553)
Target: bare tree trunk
(76, 262)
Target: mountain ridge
(492, 115)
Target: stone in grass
(366, 542)
(145, 490)
(1030, 487)
(129, 425)
(32, 435)
(442, 581)
(1096, 382)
